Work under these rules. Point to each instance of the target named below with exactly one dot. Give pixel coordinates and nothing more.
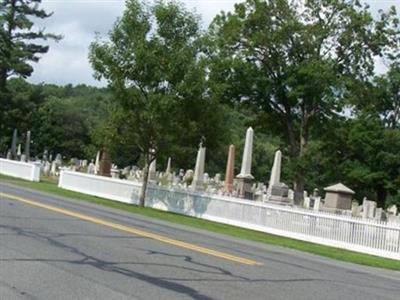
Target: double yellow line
(134, 231)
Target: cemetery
(334, 220)
(208, 149)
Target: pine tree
(18, 49)
(17, 36)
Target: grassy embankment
(50, 186)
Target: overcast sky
(79, 20)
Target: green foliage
(153, 64)
(16, 34)
(19, 110)
(61, 119)
(65, 121)
(373, 161)
(17, 50)
(292, 64)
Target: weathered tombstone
(46, 168)
(245, 179)
(97, 163)
(392, 210)
(28, 145)
(188, 177)
(380, 215)
(84, 163)
(291, 195)
(355, 209)
(168, 169)
(275, 177)
(19, 151)
(45, 155)
(306, 203)
(338, 197)
(58, 160)
(53, 169)
(125, 171)
(217, 179)
(105, 164)
(259, 192)
(115, 173)
(153, 171)
(9, 154)
(317, 203)
(230, 170)
(206, 178)
(198, 177)
(91, 167)
(14, 144)
(369, 208)
(181, 174)
(279, 193)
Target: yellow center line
(135, 231)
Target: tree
(292, 61)
(372, 157)
(17, 49)
(22, 102)
(375, 133)
(15, 32)
(153, 64)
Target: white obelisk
(97, 163)
(198, 177)
(245, 179)
(276, 169)
(247, 156)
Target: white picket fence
(27, 171)
(372, 237)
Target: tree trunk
(299, 179)
(381, 194)
(144, 183)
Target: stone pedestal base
(197, 186)
(245, 188)
(279, 193)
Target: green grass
(50, 185)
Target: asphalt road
(46, 254)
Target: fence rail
(367, 236)
(27, 171)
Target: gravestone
(19, 151)
(245, 179)
(28, 146)
(198, 177)
(153, 171)
(91, 167)
(105, 164)
(58, 160)
(46, 168)
(369, 208)
(279, 193)
(53, 169)
(392, 210)
(45, 155)
(338, 197)
(14, 144)
(115, 173)
(380, 215)
(317, 203)
(229, 173)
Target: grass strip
(50, 186)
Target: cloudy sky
(79, 20)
